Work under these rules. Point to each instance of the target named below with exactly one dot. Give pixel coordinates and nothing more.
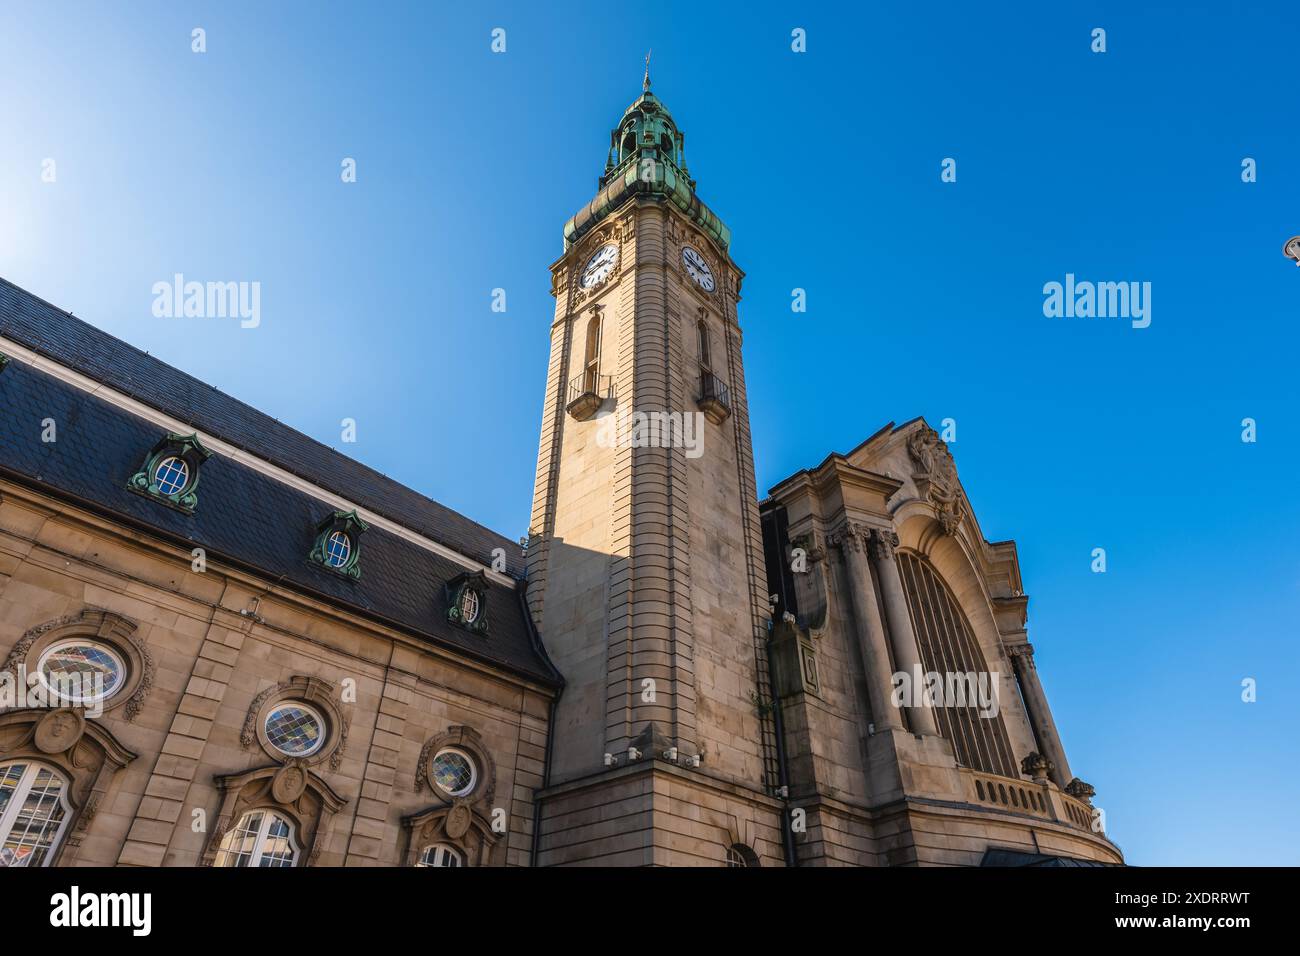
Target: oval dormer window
(337, 549)
(469, 606)
(172, 475)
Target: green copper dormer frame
(350, 523)
(188, 449)
(4, 361)
(647, 157)
(455, 590)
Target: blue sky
(924, 297)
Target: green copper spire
(647, 156)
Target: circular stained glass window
(295, 729)
(453, 771)
(337, 549)
(469, 605)
(82, 672)
(171, 475)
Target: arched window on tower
(714, 397)
(591, 356)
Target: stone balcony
(714, 398)
(587, 393)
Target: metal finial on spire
(645, 84)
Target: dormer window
(469, 606)
(338, 546)
(467, 602)
(172, 475)
(170, 472)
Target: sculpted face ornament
(289, 783)
(936, 477)
(59, 730)
(458, 820)
(1292, 249)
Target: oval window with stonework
(454, 771)
(295, 729)
(82, 672)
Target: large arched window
(34, 812)
(948, 646)
(261, 838)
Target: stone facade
(645, 557)
(727, 670)
(216, 648)
(889, 785)
(650, 586)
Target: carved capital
(813, 551)
(1022, 654)
(883, 544)
(850, 537)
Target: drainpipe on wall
(783, 776)
(522, 591)
(546, 782)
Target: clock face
(697, 268)
(600, 266)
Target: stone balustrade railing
(1023, 796)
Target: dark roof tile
(58, 335)
(243, 515)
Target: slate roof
(243, 516)
(56, 334)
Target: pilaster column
(1040, 715)
(851, 541)
(167, 792)
(907, 656)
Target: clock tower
(645, 557)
